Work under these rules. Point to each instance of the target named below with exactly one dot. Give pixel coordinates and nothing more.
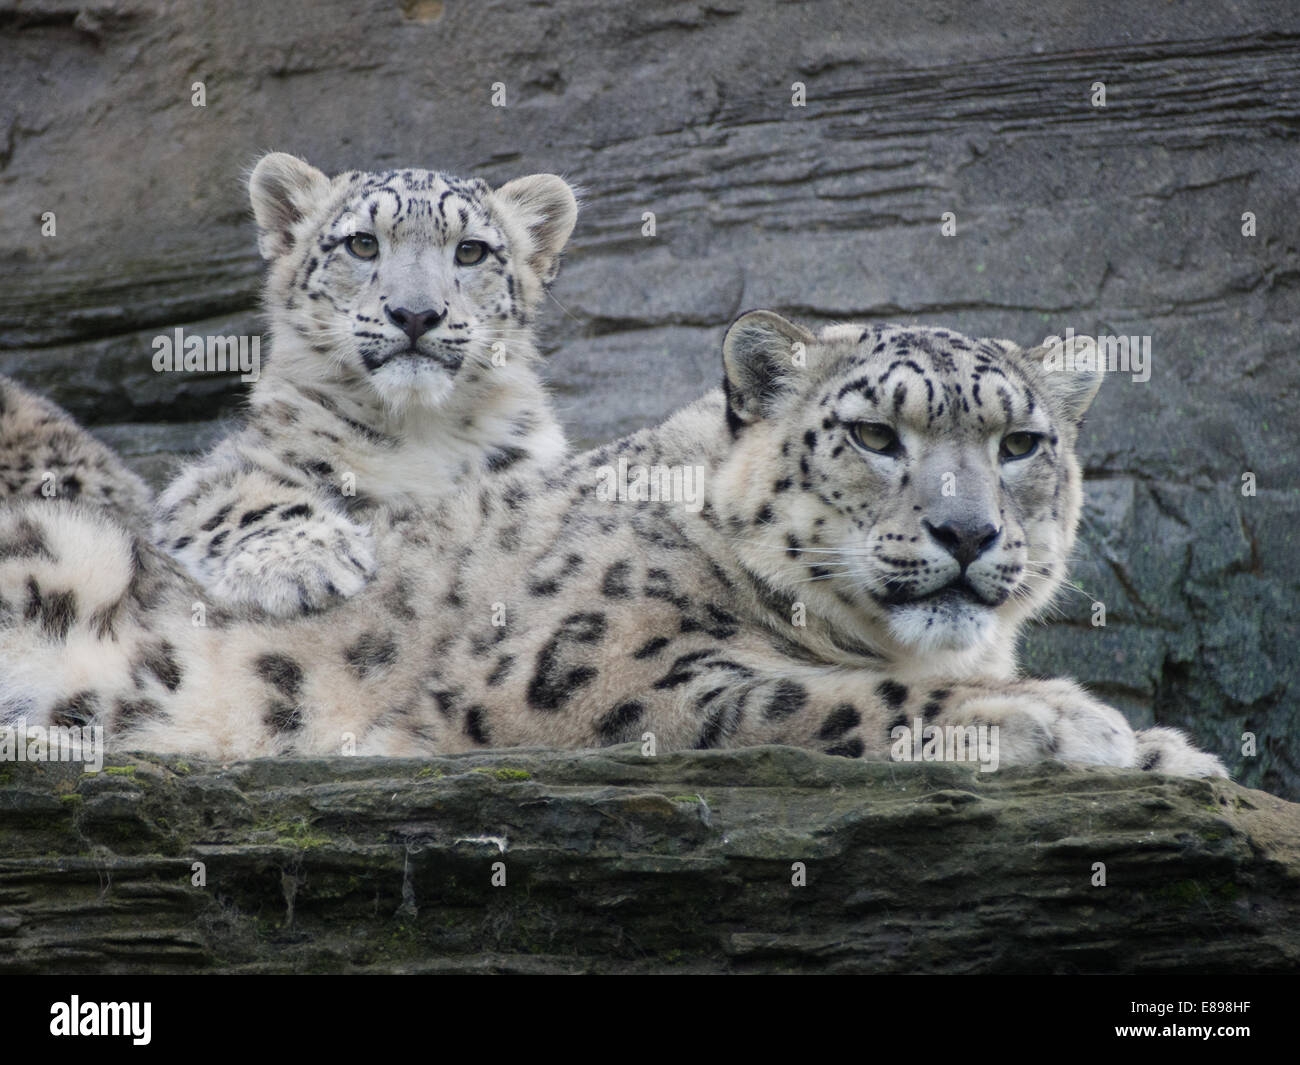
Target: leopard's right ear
(283, 189)
(547, 209)
(761, 354)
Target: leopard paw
(299, 568)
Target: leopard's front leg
(868, 714)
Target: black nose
(964, 540)
(413, 323)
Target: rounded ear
(546, 207)
(282, 189)
(761, 354)
(1071, 370)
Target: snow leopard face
(925, 480)
(405, 280)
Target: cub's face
(925, 481)
(404, 280)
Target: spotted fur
(358, 408)
(830, 583)
(44, 454)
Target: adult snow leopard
(400, 307)
(879, 511)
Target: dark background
(1122, 220)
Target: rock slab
(767, 859)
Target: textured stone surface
(1124, 220)
(618, 863)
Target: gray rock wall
(1123, 220)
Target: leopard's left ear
(1071, 370)
(761, 355)
(547, 209)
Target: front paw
(296, 570)
(1051, 719)
(1166, 750)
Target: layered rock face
(795, 156)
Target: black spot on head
(301, 510)
(851, 749)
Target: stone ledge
(618, 863)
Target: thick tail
(45, 455)
(80, 601)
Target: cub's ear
(546, 207)
(283, 189)
(761, 354)
(1071, 370)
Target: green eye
(362, 245)
(1019, 445)
(471, 252)
(875, 437)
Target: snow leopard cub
(400, 306)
